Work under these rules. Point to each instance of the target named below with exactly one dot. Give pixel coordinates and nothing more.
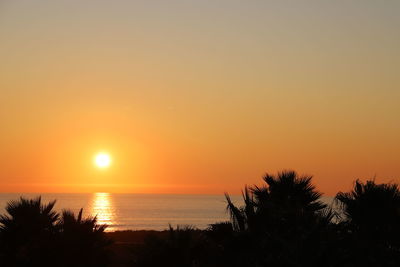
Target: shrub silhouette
(220, 231)
(180, 247)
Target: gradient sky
(197, 96)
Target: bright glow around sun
(102, 160)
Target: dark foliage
(182, 247)
(28, 233)
(285, 218)
(287, 199)
(33, 234)
(371, 224)
(283, 223)
(83, 239)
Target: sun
(102, 160)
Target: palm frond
(237, 216)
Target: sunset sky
(197, 96)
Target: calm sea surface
(140, 211)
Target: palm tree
(27, 232)
(83, 239)
(285, 217)
(69, 223)
(372, 211)
(287, 196)
(371, 204)
(40, 216)
(371, 234)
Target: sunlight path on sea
(103, 208)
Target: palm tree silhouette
(83, 239)
(372, 206)
(28, 232)
(88, 225)
(40, 216)
(286, 197)
(284, 217)
(33, 234)
(372, 217)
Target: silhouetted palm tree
(88, 225)
(40, 216)
(372, 206)
(372, 220)
(33, 234)
(83, 239)
(285, 217)
(287, 196)
(28, 232)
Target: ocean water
(138, 211)
(141, 211)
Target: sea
(140, 211)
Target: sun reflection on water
(102, 208)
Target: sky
(197, 96)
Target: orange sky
(197, 96)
